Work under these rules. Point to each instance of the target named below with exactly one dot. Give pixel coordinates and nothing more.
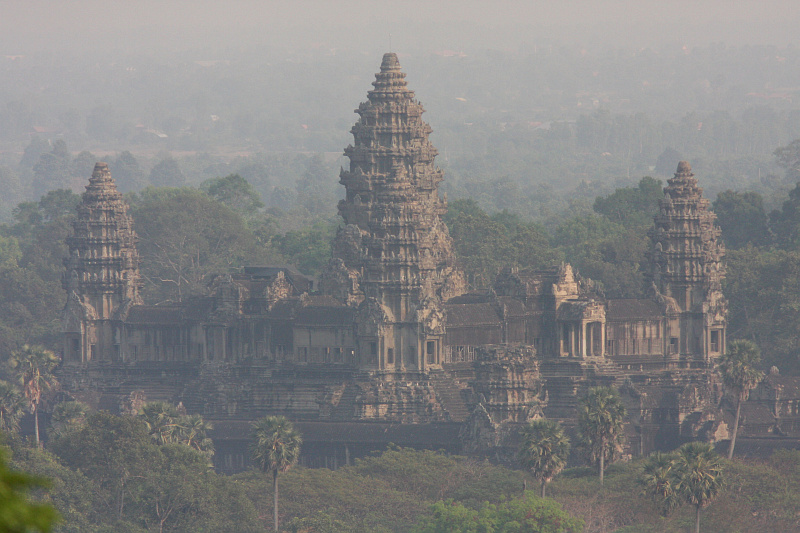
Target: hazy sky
(148, 26)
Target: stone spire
(401, 245)
(686, 263)
(394, 257)
(687, 254)
(103, 265)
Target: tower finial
(390, 62)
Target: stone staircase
(562, 397)
(450, 396)
(345, 409)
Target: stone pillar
(571, 350)
(602, 339)
(584, 335)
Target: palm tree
(11, 407)
(160, 418)
(739, 375)
(193, 432)
(68, 416)
(543, 450)
(275, 449)
(698, 474)
(35, 366)
(659, 481)
(600, 423)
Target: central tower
(687, 269)
(394, 257)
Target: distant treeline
(224, 224)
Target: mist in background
(529, 101)
(149, 26)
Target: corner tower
(102, 278)
(395, 256)
(687, 269)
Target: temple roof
(683, 184)
(633, 309)
(476, 314)
(156, 314)
(325, 316)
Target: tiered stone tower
(102, 278)
(687, 268)
(394, 257)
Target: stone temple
(388, 345)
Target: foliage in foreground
(109, 474)
(527, 514)
(17, 513)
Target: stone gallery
(388, 345)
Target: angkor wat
(388, 345)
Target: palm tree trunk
(544, 484)
(735, 428)
(602, 463)
(36, 424)
(697, 519)
(275, 497)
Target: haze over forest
(580, 97)
(224, 123)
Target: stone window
(715, 340)
(610, 346)
(302, 354)
(430, 349)
(337, 355)
(412, 356)
(373, 353)
(673, 345)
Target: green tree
(763, 288)
(785, 223)
(788, 158)
(699, 476)
(543, 450)
(53, 169)
(193, 432)
(83, 165)
(742, 218)
(235, 192)
(740, 375)
(34, 366)
(309, 249)
(127, 173)
(68, 416)
(115, 452)
(11, 407)
(600, 425)
(482, 244)
(186, 235)
(632, 205)
(658, 478)
(161, 421)
(528, 514)
(17, 513)
(167, 173)
(275, 448)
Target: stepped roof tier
(103, 257)
(686, 256)
(394, 241)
